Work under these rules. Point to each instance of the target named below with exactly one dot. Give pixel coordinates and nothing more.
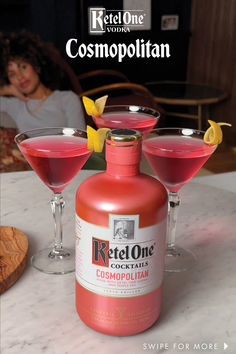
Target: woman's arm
(9, 103)
(10, 90)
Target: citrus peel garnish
(94, 108)
(96, 138)
(214, 134)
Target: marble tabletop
(199, 310)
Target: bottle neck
(122, 170)
(123, 159)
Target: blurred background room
(196, 83)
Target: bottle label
(122, 260)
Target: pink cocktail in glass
(176, 159)
(55, 159)
(129, 116)
(56, 155)
(176, 155)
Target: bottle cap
(118, 136)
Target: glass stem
(174, 202)
(57, 205)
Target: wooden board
(13, 255)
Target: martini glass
(128, 116)
(176, 155)
(56, 155)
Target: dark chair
(119, 89)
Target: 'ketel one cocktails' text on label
(121, 220)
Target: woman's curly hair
(27, 46)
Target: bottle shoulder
(102, 181)
(102, 194)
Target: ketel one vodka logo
(102, 253)
(102, 20)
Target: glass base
(54, 262)
(178, 259)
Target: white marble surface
(38, 313)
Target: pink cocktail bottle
(121, 218)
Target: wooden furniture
(105, 72)
(120, 83)
(119, 90)
(186, 94)
(113, 83)
(13, 256)
(109, 82)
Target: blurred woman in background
(30, 82)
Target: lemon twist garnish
(214, 134)
(94, 108)
(96, 138)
